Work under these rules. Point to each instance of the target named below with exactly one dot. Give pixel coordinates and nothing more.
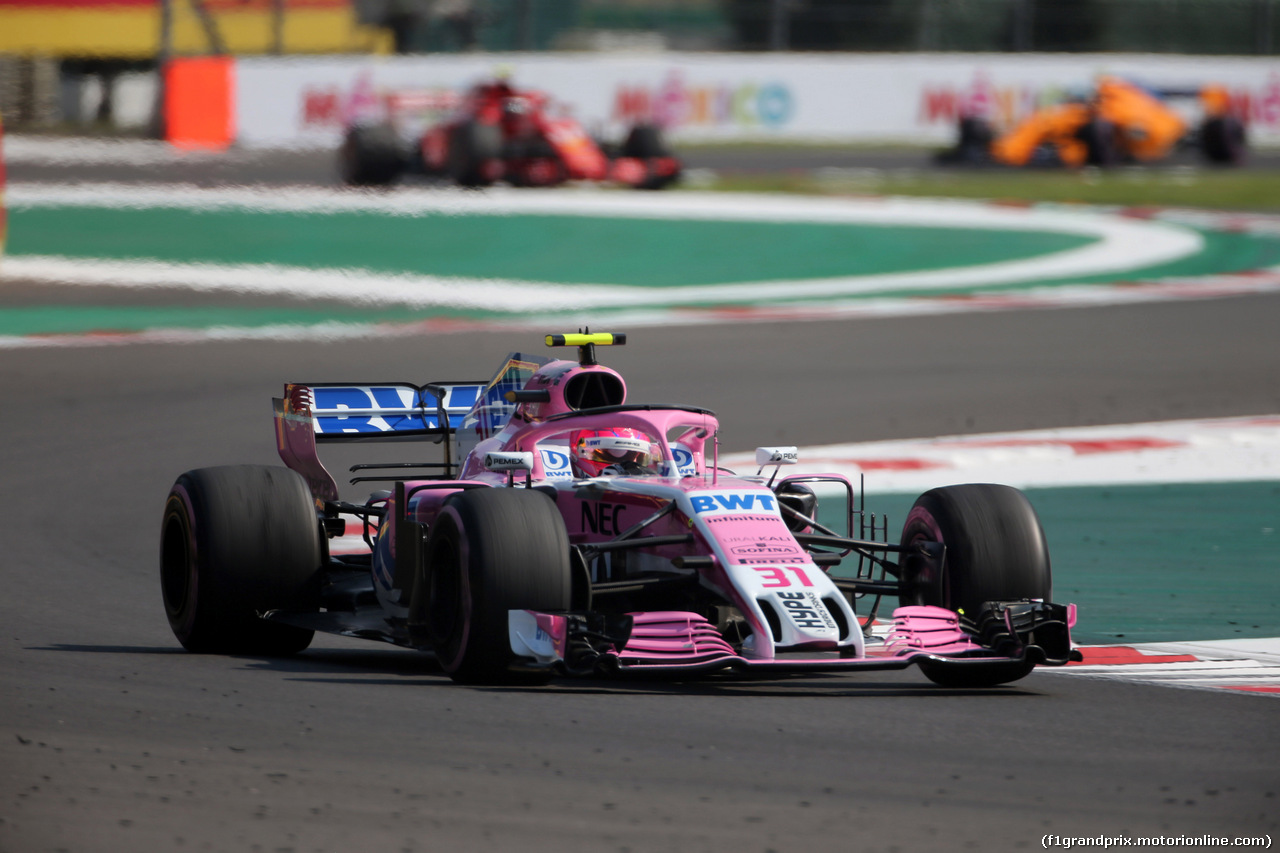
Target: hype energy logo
(677, 104)
(733, 503)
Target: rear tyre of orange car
(237, 541)
(371, 155)
(1102, 146)
(974, 136)
(490, 551)
(1222, 140)
(995, 550)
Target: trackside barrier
(708, 97)
(199, 102)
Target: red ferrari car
(501, 133)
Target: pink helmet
(628, 449)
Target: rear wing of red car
(386, 411)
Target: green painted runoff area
(1156, 563)
(89, 318)
(564, 249)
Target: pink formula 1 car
(500, 133)
(565, 531)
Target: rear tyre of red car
(474, 156)
(490, 551)
(995, 551)
(645, 142)
(371, 155)
(237, 541)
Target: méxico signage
(898, 98)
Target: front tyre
(995, 550)
(237, 541)
(490, 551)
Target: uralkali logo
(715, 503)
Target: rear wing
(389, 411)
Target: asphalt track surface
(319, 167)
(112, 738)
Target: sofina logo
(675, 104)
(733, 502)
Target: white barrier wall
(899, 98)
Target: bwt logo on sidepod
(555, 464)
(733, 502)
(684, 463)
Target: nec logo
(733, 502)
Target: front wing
(1034, 632)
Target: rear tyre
(1102, 148)
(1222, 140)
(646, 143)
(474, 154)
(371, 155)
(995, 551)
(237, 541)
(491, 551)
(973, 142)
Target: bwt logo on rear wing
(390, 410)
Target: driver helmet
(612, 451)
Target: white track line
(1121, 243)
(1247, 666)
(1211, 450)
